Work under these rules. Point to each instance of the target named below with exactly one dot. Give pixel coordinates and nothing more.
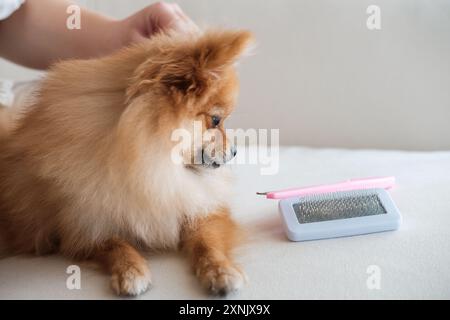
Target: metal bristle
(338, 205)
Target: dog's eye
(215, 120)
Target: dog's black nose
(233, 151)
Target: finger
(190, 24)
(179, 12)
(176, 19)
(166, 16)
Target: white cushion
(413, 261)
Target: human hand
(37, 36)
(160, 16)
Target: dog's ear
(206, 61)
(218, 49)
(187, 67)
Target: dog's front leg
(208, 242)
(130, 274)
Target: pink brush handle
(353, 184)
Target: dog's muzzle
(220, 159)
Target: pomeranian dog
(88, 170)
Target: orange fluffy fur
(87, 170)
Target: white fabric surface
(17, 94)
(414, 261)
(7, 7)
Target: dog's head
(189, 82)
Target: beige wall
(324, 79)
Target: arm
(36, 35)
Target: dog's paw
(222, 279)
(131, 281)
